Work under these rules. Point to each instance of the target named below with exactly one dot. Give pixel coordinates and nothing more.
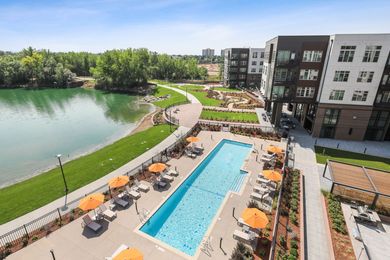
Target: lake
(36, 125)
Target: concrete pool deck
(73, 242)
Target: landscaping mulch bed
(342, 245)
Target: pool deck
(73, 242)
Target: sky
(179, 26)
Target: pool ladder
(206, 246)
(143, 215)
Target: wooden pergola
(365, 179)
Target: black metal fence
(43, 223)
(168, 112)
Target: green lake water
(36, 125)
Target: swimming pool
(185, 216)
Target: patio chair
(189, 154)
(261, 190)
(121, 202)
(141, 186)
(262, 180)
(166, 177)
(271, 156)
(172, 172)
(266, 159)
(244, 236)
(133, 193)
(160, 183)
(87, 222)
(256, 196)
(108, 213)
(117, 252)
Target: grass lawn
(206, 101)
(229, 116)
(350, 157)
(223, 89)
(23, 197)
(174, 98)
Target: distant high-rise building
(222, 52)
(209, 53)
(243, 67)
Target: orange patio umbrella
(274, 149)
(157, 167)
(272, 175)
(129, 254)
(193, 139)
(91, 201)
(118, 181)
(254, 218)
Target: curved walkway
(93, 186)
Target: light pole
(63, 177)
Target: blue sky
(179, 26)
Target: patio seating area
(127, 210)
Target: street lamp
(63, 177)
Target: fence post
(59, 214)
(25, 229)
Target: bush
(294, 252)
(291, 257)
(262, 252)
(253, 204)
(294, 244)
(282, 241)
(34, 238)
(241, 252)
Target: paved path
(75, 195)
(317, 246)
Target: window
(280, 74)
(242, 69)
(283, 57)
(233, 63)
(359, 95)
(347, 53)
(241, 76)
(365, 76)
(372, 53)
(254, 63)
(386, 97)
(384, 80)
(312, 56)
(261, 63)
(331, 116)
(244, 55)
(308, 74)
(254, 55)
(305, 92)
(341, 75)
(243, 63)
(336, 95)
(280, 91)
(262, 54)
(233, 69)
(253, 70)
(234, 55)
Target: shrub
(253, 204)
(34, 238)
(293, 218)
(294, 244)
(291, 257)
(262, 252)
(24, 242)
(282, 241)
(294, 252)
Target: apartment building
(337, 86)
(243, 67)
(209, 53)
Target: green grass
(229, 116)
(175, 97)
(206, 101)
(26, 196)
(350, 157)
(226, 89)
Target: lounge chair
(261, 190)
(246, 237)
(190, 154)
(108, 213)
(262, 180)
(167, 177)
(141, 186)
(172, 172)
(160, 183)
(266, 159)
(133, 193)
(90, 224)
(271, 156)
(256, 196)
(117, 252)
(121, 202)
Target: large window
(331, 116)
(283, 57)
(241, 76)
(372, 53)
(376, 125)
(242, 69)
(365, 76)
(244, 55)
(308, 74)
(359, 95)
(233, 63)
(254, 63)
(312, 56)
(281, 74)
(386, 79)
(385, 97)
(262, 54)
(254, 55)
(305, 92)
(243, 63)
(341, 75)
(279, 91)
(347, 53)
(253, 70)
(336, 94)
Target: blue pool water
(184, 218)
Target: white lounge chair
(271, 156)
(190, 154)
(117, 252)
(108, 213)
(262, 180)
(91, 224)
(121, 202)
(260, 189)
(167, 177)
(172, 172)
(266, 159)
(133, 193)
(141, 186)
(256, 196)
(247, 237)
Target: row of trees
(127, 68)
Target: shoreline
(139, 126)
